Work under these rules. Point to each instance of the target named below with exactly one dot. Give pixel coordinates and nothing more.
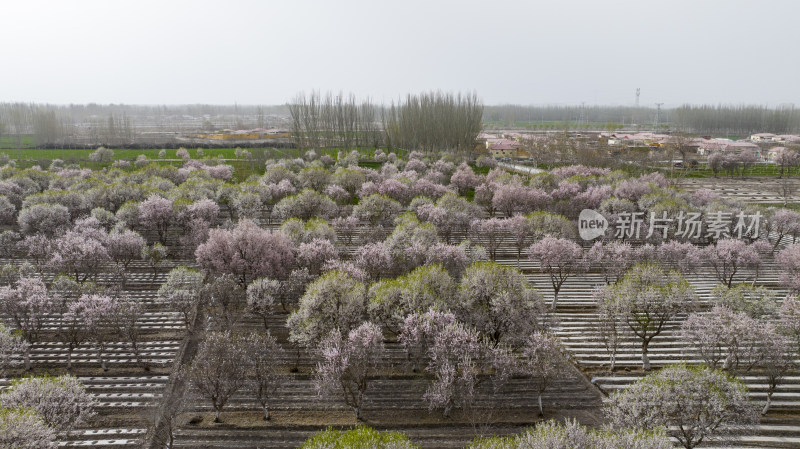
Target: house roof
(502, 146)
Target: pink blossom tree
(156, 214)
(789, 261)
(47, 219)
(521, 233)
(728, 256)
(789, 320)
(246, 252)
(347, 364)
(456, 361)
(783, 222)
(8, 212)
(455, 258)
(11, 346)
(610, 325)
(715, 161)
(61, 401)
(316, 178)
(80, 254)
(126, 321)
(123, 247)
(719, 336)
(490, 233)
(786, 158)
(226, 298)
(770, 356)
(541, 361)
(464, 179)
(28, 305)
(553, 434)
(702, 197)
(345, 227)
(612, 258)
(219, 370)
(484, 197)
(97, 313)
(221, 171)
(73, 330)
(349, 179)
(264, 357)
(684, 256)
(559, 258)
(314, 254)
(418, 332)
(632, 189)
(374, 259)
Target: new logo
(591, 224)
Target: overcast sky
(523, 52)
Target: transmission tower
(638, 91)
(658, 112)
(582, 119)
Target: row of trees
(334, 121)
(723, 120)
(427, 122)
(434, 121)
(697, 404)
(86, 313)
(122, 124)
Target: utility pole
(658, 112)
(638, 91)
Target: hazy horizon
(514, 52)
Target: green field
(29, 157)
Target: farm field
(179, 257)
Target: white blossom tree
(699, 402)
(61, 401)
(333, 301)
(648, 297)
(25, 429)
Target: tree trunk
(769, 402)
(555, 300)
(102, 360)
(69, 359)
(645, 358)
(727, 364)
(541, 410)
(266, 413)
(613, 360)
(358, 413)
(216, 415)
(27, 358)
